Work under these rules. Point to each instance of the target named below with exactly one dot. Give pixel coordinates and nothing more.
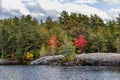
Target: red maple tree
(80, 42)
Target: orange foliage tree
(53, 42)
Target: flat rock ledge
(90, 59)
(48, 60)
(98, 59)
(9, 62)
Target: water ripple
(59, 73)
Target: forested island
(24, 39)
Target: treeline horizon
(20, 35)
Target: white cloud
(50, 4)
(36, 15)
(85, 1)
(111, 1)
(85, 9)
(94, 1)
(71, 7)
(14, 5)
(44, 8)
(113, 13)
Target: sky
(41, 9)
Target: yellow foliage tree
(29, 56)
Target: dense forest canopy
(21, 36)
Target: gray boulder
(47, 60)
(101, 59)
(8, 62)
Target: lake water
(59, 73)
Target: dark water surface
(59, 73)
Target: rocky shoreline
(48, 60)
(91, 59)
(98, 59)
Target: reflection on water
(59, 73)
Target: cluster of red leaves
(80, 41)
(53, 41)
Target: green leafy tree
(67, 49)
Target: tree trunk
(52, 50)
(2, 50)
